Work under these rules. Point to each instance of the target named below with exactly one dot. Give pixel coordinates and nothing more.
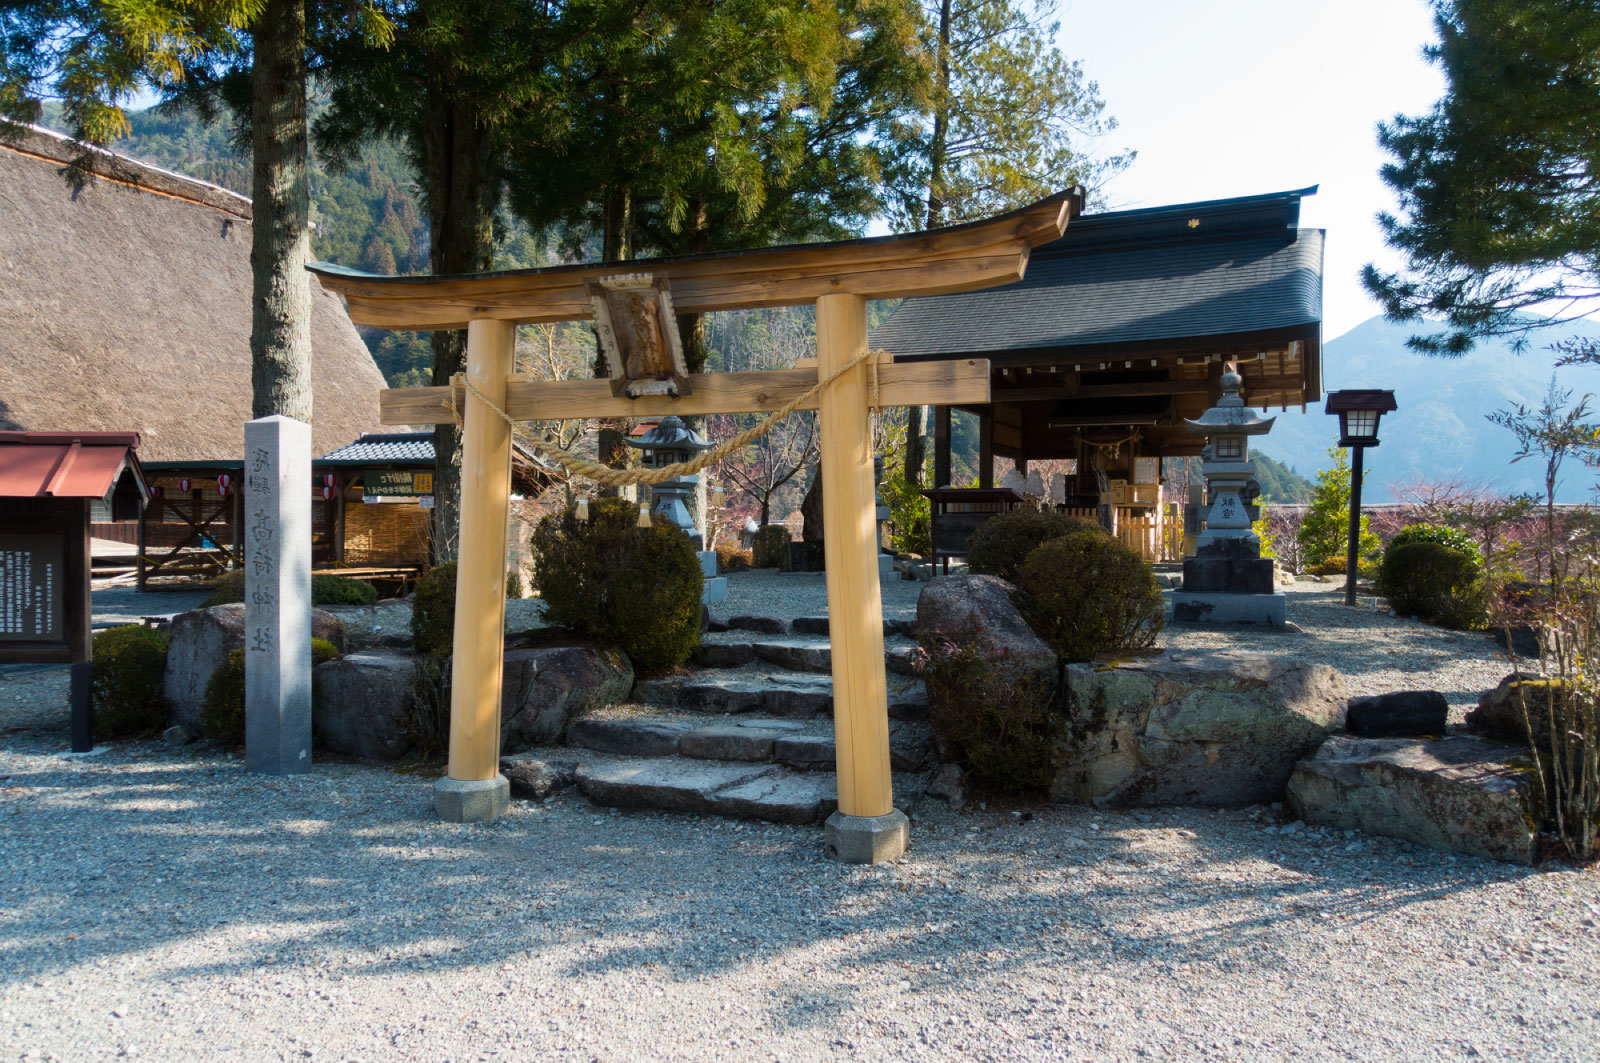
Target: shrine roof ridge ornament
(965, 257)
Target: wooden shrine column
(475, 790)
(941, 447)
(867, 828)
(986, 448)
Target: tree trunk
(941, 122)
(916, 416)
(617, 225)
(280, 246)
(461, 202)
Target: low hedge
(129, 663)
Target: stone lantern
(1228, 581)
(668, 443)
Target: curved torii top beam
(960, 258)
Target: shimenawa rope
(607, 475)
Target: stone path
(746, 732)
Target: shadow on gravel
(205, 869)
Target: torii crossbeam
(838, 278)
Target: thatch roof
(125, 306)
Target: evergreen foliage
(1499, 209)
(770, 546)
(1443, 534)
(1325, 532)
(1087, 595)
(129, 663)
(433, 611)
(1279, 482)
(1000, 545)
(222, 713)
(325, 590)
(607, 578)
(1009, 119)
(1435, 582)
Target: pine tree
(1499, 203)
(1325, 532)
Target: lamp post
(1358, 412)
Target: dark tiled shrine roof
(1134, 277)
(373, 447)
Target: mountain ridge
(1440, 430)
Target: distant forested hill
(1279, 482)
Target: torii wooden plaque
(838, 278)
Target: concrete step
(796, 653)
(768, 690)
(807, 746)
(708, 787)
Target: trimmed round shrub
(1087, 595)
(1436, 583)
(228, 588)
(1443, 534)
(128, 665)
(769, 547)
(514, 587)
(733, 559)
(222, 715)
(433, 610)
(1001, 544)
(635, 588)
(342, 590)
(325, 590)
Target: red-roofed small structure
(47, 482)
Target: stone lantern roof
(1230, 416)
(671, 434)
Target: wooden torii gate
(838, 278)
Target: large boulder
(383, 624)
(1398, 714)
(1192, 728)
(198, 642)
(1459, 793)
(362, 701)
(546, 688)
(1500, 712)
(988, 677)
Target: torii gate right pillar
(867, 828)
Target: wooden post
(941, 447)
(140, 538)
(862, 831)
(475, 790)
(986, 449)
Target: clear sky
(1237, 97)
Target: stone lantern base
(1228, 565)
(1268, 610)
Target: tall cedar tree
(1499, 205)
(1011, 121)
(463, 80)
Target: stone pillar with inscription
(277, 610)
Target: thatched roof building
(125, 306)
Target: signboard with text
(32, 587)
(397, 483)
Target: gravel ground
(164, 904)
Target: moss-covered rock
(1222, 728)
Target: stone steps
(812, 625)
(796, 653)
(767, 690)
(677, 784)
(791, 743)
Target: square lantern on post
(1359, 412)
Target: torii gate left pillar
(838, 279)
